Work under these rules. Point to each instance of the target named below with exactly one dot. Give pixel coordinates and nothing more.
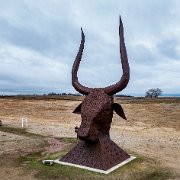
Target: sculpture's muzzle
(83, 133)
(87, 134)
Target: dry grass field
(152, 133)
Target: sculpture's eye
(103, 112)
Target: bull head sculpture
(97, 150)
(97, 108)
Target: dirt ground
(152, 128)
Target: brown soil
(152, 128)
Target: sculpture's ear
(119, 110)
(78, 109)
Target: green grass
(68, 139)
(141, 168)
(19, 131)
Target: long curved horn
(119, 86)
(82, 89)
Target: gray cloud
(39, 41)
(168, 47)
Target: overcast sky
(40, 39)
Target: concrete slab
(97, 170)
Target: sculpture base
(97, 170)
(104, 156)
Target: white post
(24, 120)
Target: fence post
(23, 120)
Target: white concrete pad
(96, 170)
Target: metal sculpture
(96, 149)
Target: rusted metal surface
(103, 154)
(96, 149)
(96, 113)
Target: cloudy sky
(40, 39)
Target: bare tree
(153, 93)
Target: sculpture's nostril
(83, 133)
